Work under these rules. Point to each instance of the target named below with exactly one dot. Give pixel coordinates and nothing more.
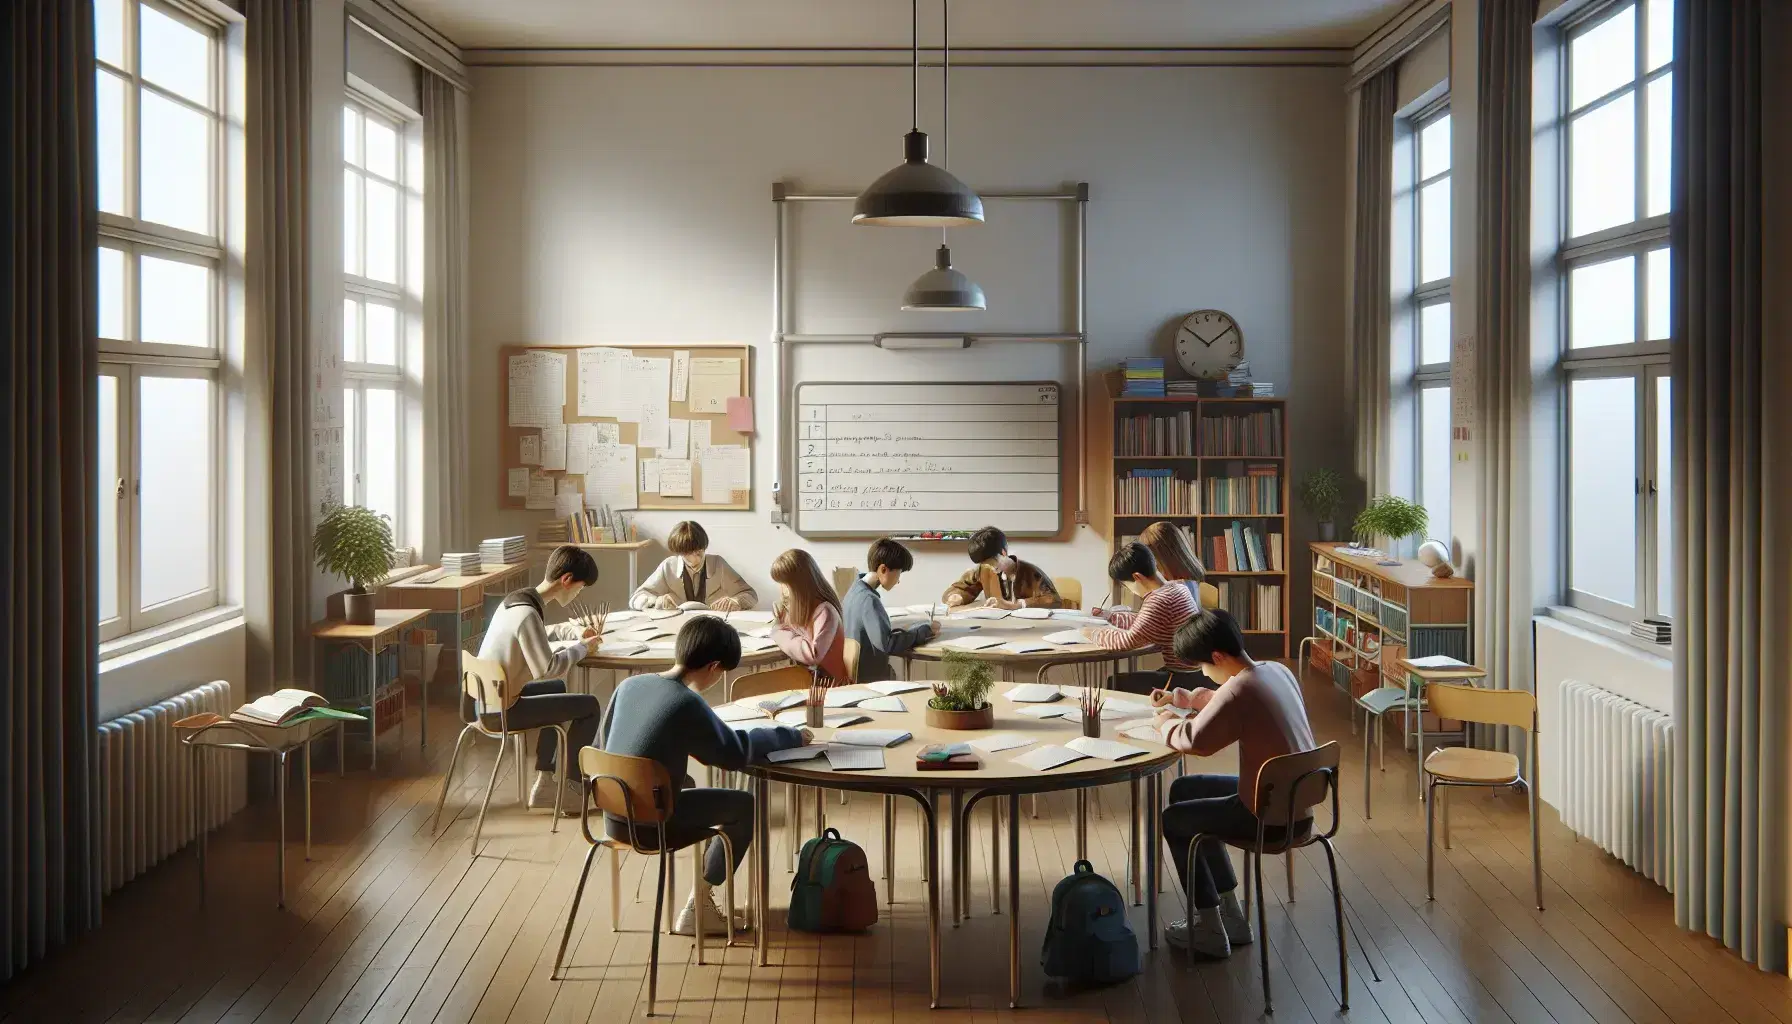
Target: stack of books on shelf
(1656, 631)
(1244, 491)
(552, 531)
(1252, 433)
(1183, 388)
(1144, 377)
(503, 550)
(1155, 492)
(1242, 548)
(1256, 605)
(462, 563)
(1173, 434)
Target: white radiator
(148, 807)
(1617, 777)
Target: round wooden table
(999, 779)
(1012, 664)
(659, 655)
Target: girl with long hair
(808, 612)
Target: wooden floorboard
(393, 920)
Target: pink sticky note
(740, 415)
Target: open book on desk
(283, 707)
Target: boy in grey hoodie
(865, 619)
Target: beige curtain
(279, 342)
(1502, 198)
(445, 526)
(1733, 487)
(1367, 360)
(49, 670)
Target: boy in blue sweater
(666, 718)
(865, 619)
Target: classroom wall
(620, 205)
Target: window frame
(1644, 360)
(1423, 295)
(129, 360)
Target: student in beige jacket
(692, 575)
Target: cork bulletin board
(558, 438)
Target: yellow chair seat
(1466, 764)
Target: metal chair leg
(1430, 850)
(616, 890)
(1263, 935)
(653, 956)
(700, 898)
(565, 755)
(1288, 862)
(672, 886)
(1331, 859)
(1445, 798)
(1371, 724)
(522, 786)
(573, 914)
(435, 823)
(491, 784)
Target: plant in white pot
(1391, 519)
(355, 543)
(1321, 492)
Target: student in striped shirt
(1164, 607)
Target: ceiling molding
(1422, 20)
(900, 56)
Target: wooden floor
(389, 923)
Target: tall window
(1618, 117)
(382, 273)
(160, 93)
(1421, 339)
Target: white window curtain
(445, 473)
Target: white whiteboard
(919, 457)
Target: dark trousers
(545, 702)
(1208, 805)
(695, 813)
(1159, 679)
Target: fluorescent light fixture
(919, 341)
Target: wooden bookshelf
(1367, 616)
(1194, 456)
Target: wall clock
(1209, 344)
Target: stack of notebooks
(503, 550)
(461, 563)
(1183, 388)
(1656, 631)
(1144, 377)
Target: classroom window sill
(168, 636)
(1610, 629)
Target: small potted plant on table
(961, 700)
(1320, 494)
(1391, 519)
(355, 543)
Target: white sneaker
(541, 795)
(1232, 915)
(1206, 940)
(713, 922)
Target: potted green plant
(1391, 519)
(356, 544)
(1321, 493)
(961, 700)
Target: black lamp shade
(944, 289)
(916, 194)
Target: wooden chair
(780, 680)
(1467, 766)
(485, 688)
(844, 577)
(1209, 596)
(1288, 789)
(640, 792)
(1070, 591)
(850, 648)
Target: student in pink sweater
(1259, 707)
(808, 615)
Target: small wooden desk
(632, 547)
(388, 628)
(454, 595)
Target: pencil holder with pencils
(1091, 699)
(816, 710)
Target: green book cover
(338, 713)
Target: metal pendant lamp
(916, 194)
(944, 289)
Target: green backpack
(832, 891)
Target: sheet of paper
(600, 381)
(1105, 750)
(663, 613)
(646, 383)
(796, 754)
(883, 703)
(846, 758)
(650, 476)
(541, 491)
(568, 503)
(872, 737)
(924, 609)
(739, 713)
(1032, 613)
(973, 643)
(896, 686)
(681, 376)
(621, 616)
(702, 432)
(740, 415)
(607, 433)
(611, 478)
(579, 439)
(649, 631)
(1025, 646)
(1436, 661)
(752, 724)
(833, 720)
(846, 697)
(654, 429)
(1065, 637)
(1140, 731)
(713, 382)
(537, 389)
(531, 450)
(720, 471)
(1131, 707)
(675, 478)
(1047, 710)
(620, 649)
(678, 445)
(982, 613)
(776, 702)
(1033, 693)
(518, 480)
(1000, 741)
(553, 449)
(1046, 758)
(1075, 617)
(756, 644)
(751, 615)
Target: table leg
(341, 760)
(890, 850)
(930, 825)
(1153, 793)
(995, 855)
(821, 803)
(1132, 857)
(1082, 824)
(373, 705)
(280, 851)
(1367, 719)
(1013, 901)
(204, 819)
(423, 693)
(305, 762)
(957, 852)
(762, 837)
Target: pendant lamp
(916, 194)
(944, 289)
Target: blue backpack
(1089, 939)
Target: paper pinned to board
(540, 491)
(537, 389)
(607, 433)
(713, 382)
(518, 480)
(612, 476)
(702, 433)
(600, 381)
(553, 449)
(678, 434)
(568, 503)
(579, 439)
(654, 428)
(675, 478)
(646, 382)
(650, 476)
(724, 470)
(681, 376)
(740, 414)
(531, 450)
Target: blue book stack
(1144, 377)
